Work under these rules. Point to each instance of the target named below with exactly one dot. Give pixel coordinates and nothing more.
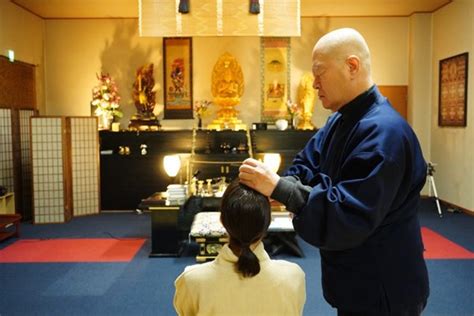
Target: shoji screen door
(51, 175)
(85, 165)
(65, 156)
(6, 150)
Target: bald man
(355, 188)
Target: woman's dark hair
(246, 215)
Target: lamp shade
(172, 164)
(272, 161)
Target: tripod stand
(432, 186)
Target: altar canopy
(162, 18)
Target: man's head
(341, 67)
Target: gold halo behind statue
(306, 99)
(227, 88)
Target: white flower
(105, 97)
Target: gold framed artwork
(453, 90)
(177, 76)
(275, 77)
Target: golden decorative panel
(275, 77)
(161, 18)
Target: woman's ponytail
(248, 264)
(246, 215)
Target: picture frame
(177, 78)
(275, 78)
(453, 73)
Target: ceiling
(83, 9)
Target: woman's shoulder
(286, 267)
(286, 276)
(196, 271)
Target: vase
(105, 121)
(281, 124)
(115, 126)
(199, 123)
(292, 122)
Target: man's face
(330, 79)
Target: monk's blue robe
(355, 190)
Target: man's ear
(353, 64)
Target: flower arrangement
(200, 108)
(105, 97)
(293, 110)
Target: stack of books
(176, 194)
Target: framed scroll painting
(275, 77)
(177, 77)
(453, 90)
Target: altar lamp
(172, 164)
(272, 161)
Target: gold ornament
(306, 99)
(227, 88)
(144, 94)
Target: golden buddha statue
(306, 99)
(227, 88)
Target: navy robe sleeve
(344, 214)
(341, 215)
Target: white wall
(451, 147)
(387, 39)
(77, 49)
(419, 81)
(23, 33)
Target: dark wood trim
(397, 95)
(17, 84)
(67, 168)
(462, 209)
(26, 9)
(17, 170)
(451, 205)
(17, 61)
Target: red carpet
(71, 250)
(439, 247)
(123, 250)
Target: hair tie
(245, 244)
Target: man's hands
(258, 176)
